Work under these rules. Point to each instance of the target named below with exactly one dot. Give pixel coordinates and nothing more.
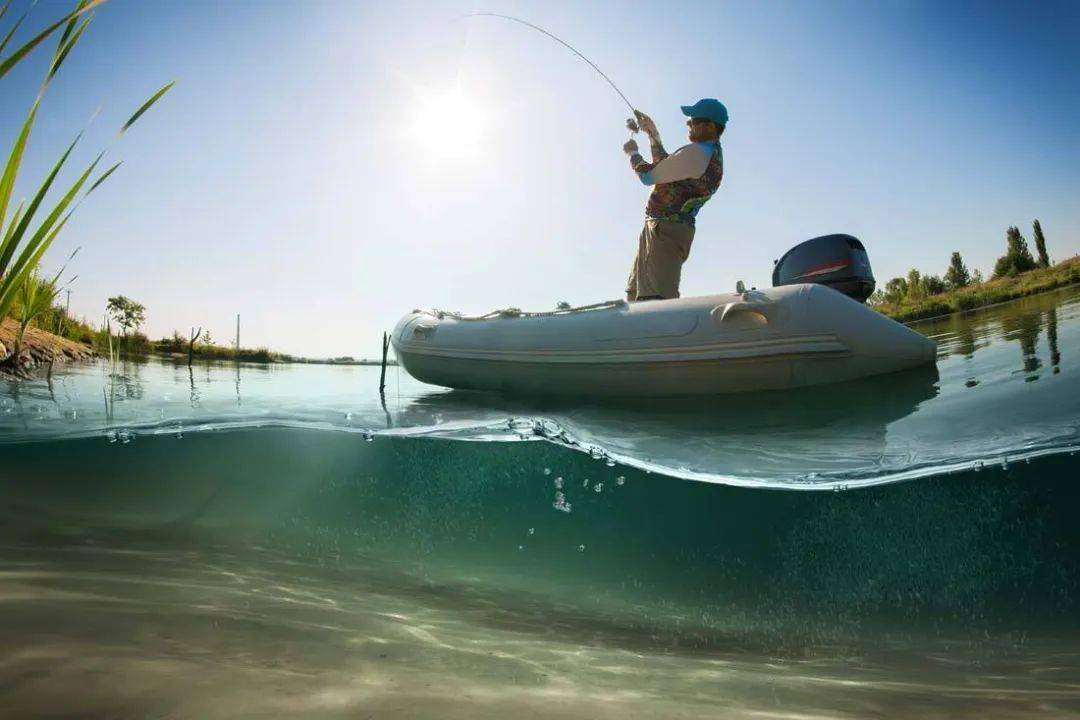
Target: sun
(448, 123)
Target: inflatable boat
(797, 333)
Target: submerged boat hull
(783, 337)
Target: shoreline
(39, 348)
(992, 292)
(289, 361)
(988, 306)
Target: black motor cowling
(839, 261)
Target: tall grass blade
(39, 243)
(11, 169)
(11, 228)
(71, 23)
(13, 59)
(146, 105)
(65, 47)
(24, 223)
(15, 279)
(104, 176)
(4, 8)
(11, 32)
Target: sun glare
(448, 124)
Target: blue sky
(322, 168)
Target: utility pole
(237, 333)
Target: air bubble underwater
(121, 436)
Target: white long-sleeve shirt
(689, 161)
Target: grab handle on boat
(722, 313)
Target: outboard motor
(839, 261)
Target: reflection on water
(802, 434)
(1021, 321)
(1051, 339)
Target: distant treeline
(119, 334)
(1016, 273)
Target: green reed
(32, 228)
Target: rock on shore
(38, 349)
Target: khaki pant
(662, 249)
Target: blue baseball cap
(709, 108)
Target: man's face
(700, 129)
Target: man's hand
(647, 125)
(630, 147)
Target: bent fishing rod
(631, 122)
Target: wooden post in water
(237, 336)
(191, 345)
(382, 374)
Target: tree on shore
(933, 285)
(895, 291)
(1040, 244)
(957, 275)
(915, 289)
(1017, 258)
(126, 312)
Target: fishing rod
(631, 123)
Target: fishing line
(630, 124)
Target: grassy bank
(177, 345)
(990, 292)
(38, 348)
(54, 322)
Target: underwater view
(237, 540)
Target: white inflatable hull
(778, 338)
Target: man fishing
(682, 182)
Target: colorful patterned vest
(680, 201)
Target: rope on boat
(512, 312)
